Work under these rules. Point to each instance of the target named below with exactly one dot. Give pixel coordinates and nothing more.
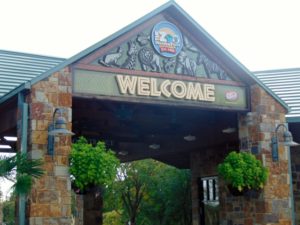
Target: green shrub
(92, 165)
(243, 171)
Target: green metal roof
(286, 84)
(174, 9)
(18, 68)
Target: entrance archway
(176, 135)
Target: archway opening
(184, 137)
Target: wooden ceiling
(8, 123)
(131, 128)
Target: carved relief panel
(163, 49)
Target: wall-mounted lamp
(57, 128)
(287, 138)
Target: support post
(24, 126)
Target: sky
(261, 34)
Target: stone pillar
(272, 206)
(79, 209)
(203, 164)
(50, 198)
(92, 207)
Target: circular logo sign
(166, 39)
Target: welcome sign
(145, 86)
(155, 89)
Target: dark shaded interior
(137, 131)
(8, 123)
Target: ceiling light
(10, 138)
(122, 153)
(189, 138)
(229, 130)
(154, 146)
(5, 147)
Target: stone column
(203, 164)
(79, 209)
(50, 198)
(92, 207)
(272, 206)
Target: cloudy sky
(261, 34)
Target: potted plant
(242, 171)
(91, 166)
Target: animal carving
(169, 65)
(130, 62)
(111, 59)
(148, 59)
(211, 67)
(185, 65)
(143, 39)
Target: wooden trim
(161, 102)
(97, 68)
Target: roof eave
(14, 92)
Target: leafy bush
(243, 171)
(92, 165)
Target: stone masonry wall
(50, 198)
(272, 205)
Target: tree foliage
(21, 170)
(8, 209)
(92, 165)
(149, 192)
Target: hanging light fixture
(189, 137)
(58, 127)
(154, 146)
(287, 138)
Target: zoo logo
(166, 39)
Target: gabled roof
(286, 84)
(17, 68)
(190, 24)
